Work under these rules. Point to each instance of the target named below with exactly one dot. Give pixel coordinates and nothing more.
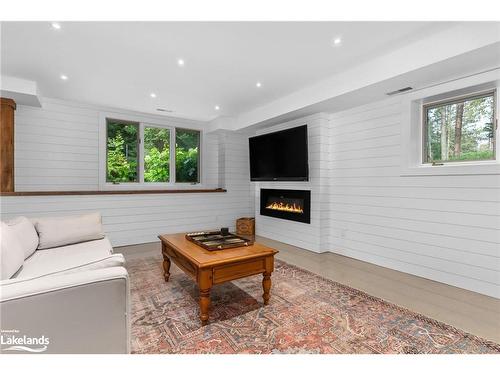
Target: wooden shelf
(110, 192)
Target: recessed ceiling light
(56, 25)
(258, 84)
(337, 41)
(217, 107)
(64, 77)
(180, 62)
(153, 95)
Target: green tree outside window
(187, 145)
(122, 155)
(156, 154)
(123, 150)
(461, 130)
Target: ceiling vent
(164, 110)
(400, 91)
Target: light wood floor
(472, 312)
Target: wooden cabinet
(7, 145)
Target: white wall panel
(57, 149)
(313, 236)
(445, 228)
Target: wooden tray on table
(214, 240)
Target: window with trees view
(122, 151)
(169, 155)
(156, 154)
(187, 144)
(460, 130)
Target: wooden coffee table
(210, 268)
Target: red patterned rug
(307, 314)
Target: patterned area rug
(307, 314)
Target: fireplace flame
(280, 206)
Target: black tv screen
(280, 156)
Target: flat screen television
(280, 156)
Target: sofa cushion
(66, 230)
(71, 258)
(11, 252)
(26, 234)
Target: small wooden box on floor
(245, 226)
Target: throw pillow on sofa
(26, 234)
(11, 252)
(67, 230)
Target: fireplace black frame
(305, 195)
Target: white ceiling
(467, 64)
(119, 64)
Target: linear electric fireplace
(292, 205)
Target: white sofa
(60, 281)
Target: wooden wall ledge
(109, 192)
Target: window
(122, 139)
(478, 147)
(462, 129)
(156, 154)
(187, 144)
(146, 154)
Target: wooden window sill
(110, 192)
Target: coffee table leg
(266, 285)
(166, 263)
(166, 268)
(204, 305)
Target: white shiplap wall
(57, 149)
(445, 228)
(313, 236)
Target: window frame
(141, 184)
(123, 122)
(455, 100)
(199, 155)
(411, 126)
(171, 181)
